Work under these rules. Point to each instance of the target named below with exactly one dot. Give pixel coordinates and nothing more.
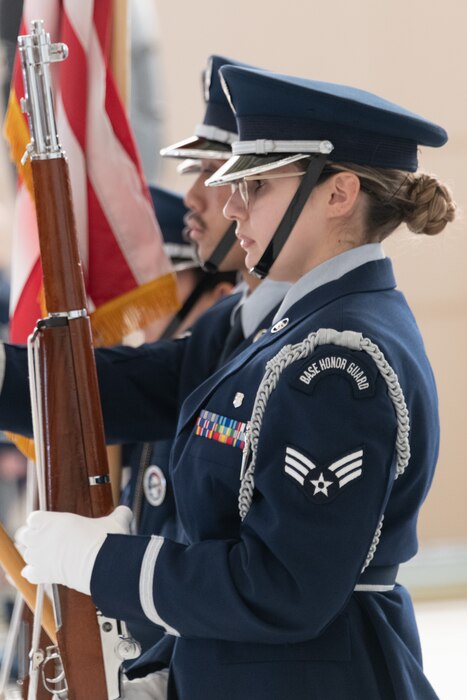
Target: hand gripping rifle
(67, 418)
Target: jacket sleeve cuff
(122, 578)
(146, 584)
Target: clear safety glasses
(250, 185)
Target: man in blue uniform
(202, 154)
(217, 252)
(286, 589)
(149, 491)
(206, 227)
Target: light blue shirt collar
(256, 306)
(328, 271)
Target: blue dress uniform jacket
(266, 608)
(149, 492)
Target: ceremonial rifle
(67, 417)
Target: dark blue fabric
(350, 145)
(170, 210)
(151, 519)
(168, 369)
(221, 116)
(218, 112)
(266, 608)
(162, 519)
(363, 127)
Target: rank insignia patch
(222, 429)
(323, 484)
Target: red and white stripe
(119, 238)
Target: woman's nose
(234, 208)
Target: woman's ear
(343, 192)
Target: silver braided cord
(274, 368)
(373, 545)
(397, 398)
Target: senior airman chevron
(215, 427)
(323, 484)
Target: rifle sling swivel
(61, 318)
(99, 479)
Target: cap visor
(195, 147)
(189, 166)
(239, 167)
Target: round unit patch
(155, 485)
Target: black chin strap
(211, 265)
(202, 286)
(290, 217)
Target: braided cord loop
(274, 368)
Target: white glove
(152, 687)
(62, 547)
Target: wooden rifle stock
(72, 421)
(74, 452)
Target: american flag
(129, 279)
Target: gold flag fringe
(24, 444)
(112, 321)
(119, 317)
(17, 135)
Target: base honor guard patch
(355, 367)
(222, 429)
(323, 483)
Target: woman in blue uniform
(299, 467)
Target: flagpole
(120, 61)
(120, 49)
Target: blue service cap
(170, 211)
(213, 138)
(282, 119)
